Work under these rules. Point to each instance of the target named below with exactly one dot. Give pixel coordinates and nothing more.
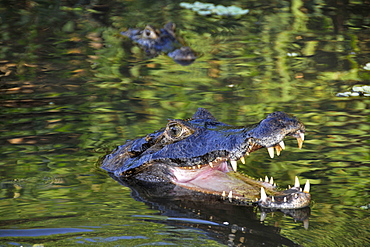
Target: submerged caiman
(198, 156)
(157, 41)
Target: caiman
(164, 40)
(198, 156)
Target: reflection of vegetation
(356, 91)
(71, 84)
(210, 8)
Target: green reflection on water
(73, 88)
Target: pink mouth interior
(217, 180)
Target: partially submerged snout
(291, 198)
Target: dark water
(72, 89)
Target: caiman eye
(147, 32)
(175, 130)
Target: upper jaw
(269, 133)
(299, 135)
(277, 147)
(231, 158)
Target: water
(72, 89)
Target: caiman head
(156, 41)
(201, 154)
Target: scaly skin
(200, 154)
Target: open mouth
(219, 177)
(202, 155)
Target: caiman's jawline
(201, 154)
(217, 178)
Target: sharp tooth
(211, 164)
(263, 195)
(289, 187)
(261, 179)
(284, 199)
(194, 167)
(282, 145)
(300, 143)
(234, 164)
(223, 193)
(305, 224)
(272, 198)
(271, 152)
(230, 194)
(307, 187)
(278, 149)
(242, 160)
(266, 179)
(247, 153)
(199, 166)
(272, 180)
(263, 216)
(300, 140)
(296, 182)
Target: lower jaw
(230, 184)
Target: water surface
(72, 89)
